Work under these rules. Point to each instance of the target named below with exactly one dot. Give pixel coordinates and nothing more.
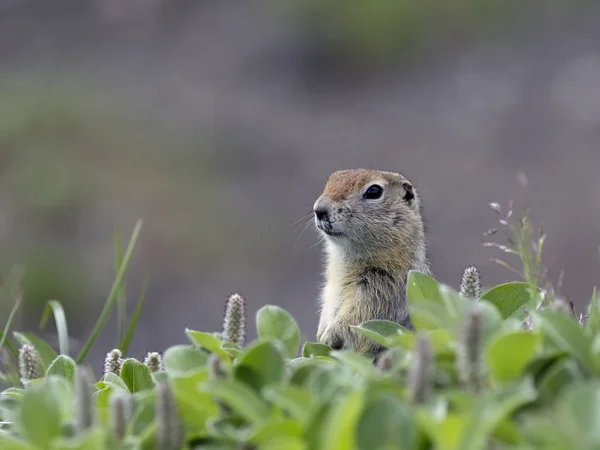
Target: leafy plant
(479, 372)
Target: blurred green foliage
(365, 35)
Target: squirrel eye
(373, 192)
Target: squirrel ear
(409, 195)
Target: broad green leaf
(492, 409)
(294, 400)
(380, 331)
(13, 392)
(62, 366)
(195, 406)
(341, 421)
(136, 375)
(63, 393)
(579, 409)
(240, 398)
(144, 405)
(226, 429)
(283, 442)
(561, 374)
(509, 298)
(207, 341)
(46, 353)
(274, 431)
(507, 355)
(273, 322)
(95, 439)
(8, 442)
(569, 336)
(115, 381)
(102, 402)
(39, 416)
(420, 286)
(386, 422)
(182, 359)
(362, 364)
(261, 364)
(314, 349)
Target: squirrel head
(368, 211)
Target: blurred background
(219, 122)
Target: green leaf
(380, 331)
(274, 323)
(420, 286)
(115, 381)
(341, 421)
(63, 392)
(314, 349)
(194, 405)
(386, 422)
(113, 294)
(579, 410)
(507, 355)
(569, 336)
(280, 431)
(240, 398)
(60, 320)
(39, 416)
(279, 442)
(207, 341)
(47, 354)
(261, 364)
(14, 392)
(291, 399)
(355, 361)
(561, 374)
(136, 375)
(62, 366)
(144, 403)
(182, 359)
(509, 298)
(95, 439)
(8, 442)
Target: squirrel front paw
(331, 336)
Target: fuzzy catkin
(234, 323)
(470, 358)
(30, 366)
(169, 431)
(84, 404)
(113, 362)
(470, 284)
(120, 413)
(153, 361)
(421, 368)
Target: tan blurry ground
(215, 127)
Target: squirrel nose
(321, 213)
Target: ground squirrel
(374, 234)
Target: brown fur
(370, 247)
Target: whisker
(310, 213)
(308, 222)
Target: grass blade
(13, 282)
(112, 296)
(3, 338)
(61, 324)
(134, 319)
(121, 296)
